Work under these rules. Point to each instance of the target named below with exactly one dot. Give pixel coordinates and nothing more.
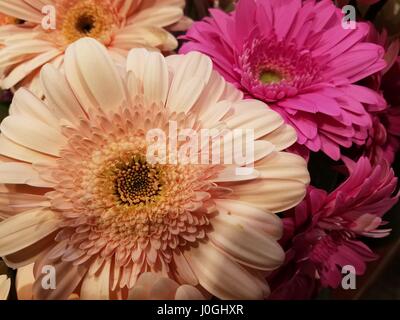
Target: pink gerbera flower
(120, 25)
(322, 233)
(296, 56)
(79, 193)
(384, 136)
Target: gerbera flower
(305, 66)
(322, 234)
(5, 284)
(119, 25)
(384, 136)
(83, 197)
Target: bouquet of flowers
(163, 149)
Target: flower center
(273, 70)
(110, 193)
(270, 76)
(85, 24)
(137, 182)
(87, 19)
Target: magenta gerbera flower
(324, 232)
(384, 136)
(296, 56)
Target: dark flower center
(137, 182)
(85, 24)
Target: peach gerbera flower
(5, 284)
(119, 24)
(82, 197)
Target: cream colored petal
(144, 36)
(163, 289)
(143, 285)
(231, 93)
(183, 269)
(17, 33)
(92, 75)
(189, 81)
(26, 104)
(32, 83)
(126, 7)
(211, 94)
(97, 286)
(134, 62)
(20, 9)
(138, 293)
(21, 51)
(251, 114)
(5, 285)
(230, 174)
(24, 282)
(134, 86)
(155, 79)
(21, 173)
(59, 95)
(28, 67)
(214, 112)
(187, 292)
(16, 151)
(14, 203)
(283, 166)
(245, 244)
(33, 134)
(24, 229)
(282, 138)
(237, 146)
(159, 16)
(38, 4)
(173, 62)
(182, 25)
(258, 219)
(156, 3)
(29, 254)
(221, 276)
(65, 285)
(271, 195)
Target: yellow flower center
(88, 19)
(137, 182)
(125, 198)
(270, 77)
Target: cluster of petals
(324, 233)
(383, 138)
